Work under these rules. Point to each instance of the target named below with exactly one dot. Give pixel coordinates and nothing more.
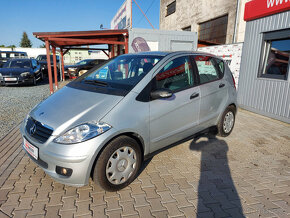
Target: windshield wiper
(97, 82)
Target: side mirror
(161, 93)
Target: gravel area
(17, 101)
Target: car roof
(19, 59)
(20, 52)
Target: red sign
(262, 8)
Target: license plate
(10, 79)
(31, 149)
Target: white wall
(231, 53)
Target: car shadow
(216, 190)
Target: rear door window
(208, 69)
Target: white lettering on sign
(272, 3)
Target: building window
(214, 30)
(171, 8)
(274, 62)
(188, 28)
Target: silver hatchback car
(106, 122)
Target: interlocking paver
(125, 195)
(140, 200)
(112, 203)
(144, 211)
(38, 208)
(166, 197)
(68, 203)
(128, 209)
(156, 204)
(98, 211)
(83, 208)
(25, 204)
(150, 192)
(189, 212)
(3, 215)
(98, 198)
(172, 209)
(67, 213)
(52, 211)
(160, 214)
(182, 201)
(114, 213)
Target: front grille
(37, 130)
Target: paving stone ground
(244, 175)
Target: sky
(31, 16)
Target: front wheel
(118, 164)
(34, 81)
(227, 122)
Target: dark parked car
(6, 55)
(81, 67)
(43, 63)
(18, 71)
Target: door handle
(221, 85)
(194, 95)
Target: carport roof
(78, 38)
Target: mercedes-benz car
(106, 122)
(20, 71)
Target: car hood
(70, 107)
(13, 71)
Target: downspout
(236, 22)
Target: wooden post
(126, 44)
(62, 64)
(49, 66)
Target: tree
(25, 42)
(11, 46)
(42, 46)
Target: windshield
(82, 62)
(123, 72)
(43, 58)
(17, 64)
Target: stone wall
(193, 12)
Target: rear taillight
(234, 81)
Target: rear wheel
(118, 164)
(227, 122)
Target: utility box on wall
(161, 40)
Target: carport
(117, 41)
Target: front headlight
(82, 133)
(25, 74)
(72, 68)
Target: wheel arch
(133, 135)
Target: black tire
(34, 81)
(222, 130)
(100, 170)
(41, 76)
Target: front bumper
(15, 80)
(79, 157)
